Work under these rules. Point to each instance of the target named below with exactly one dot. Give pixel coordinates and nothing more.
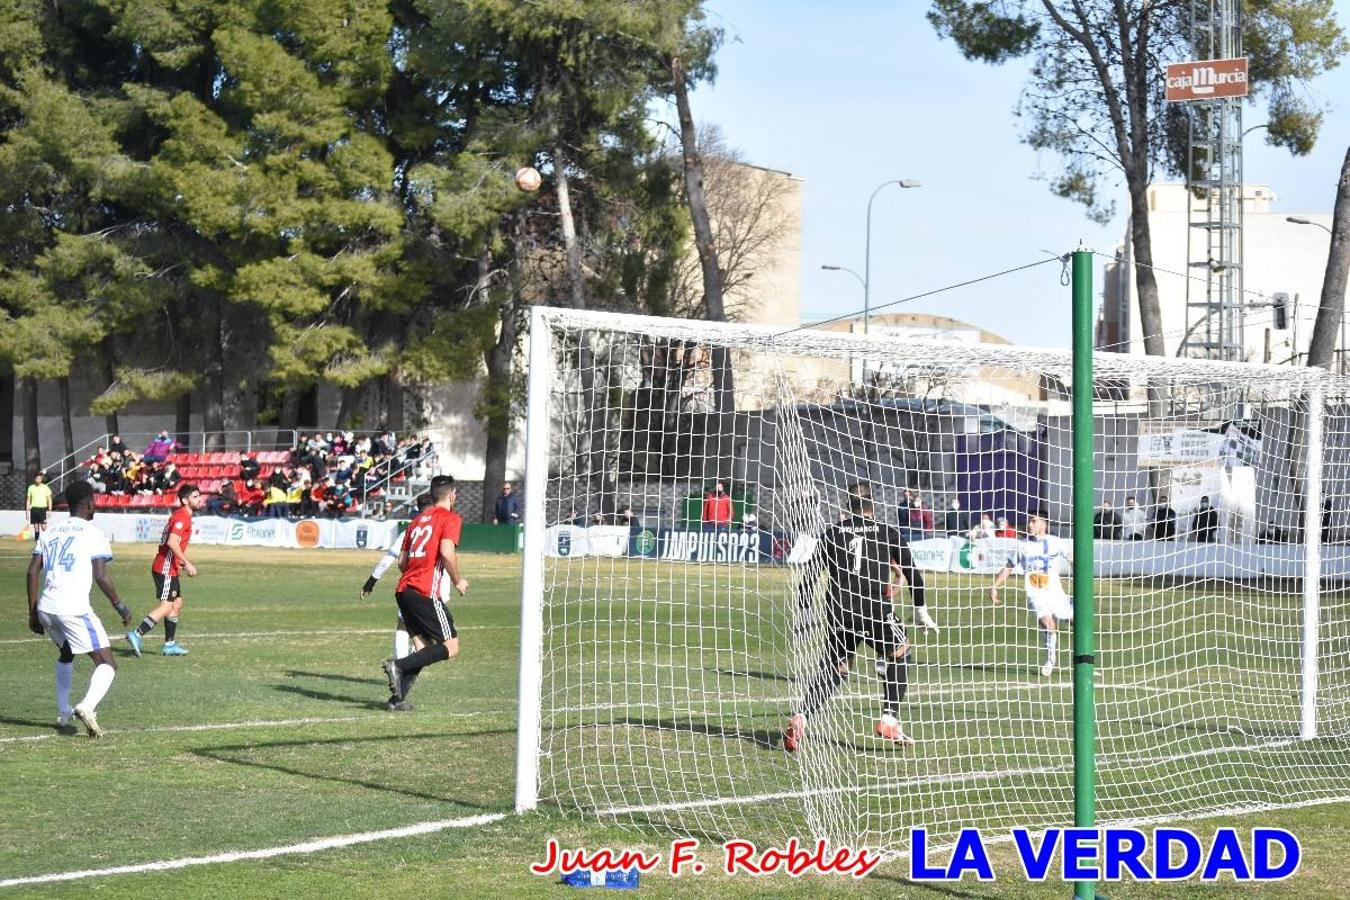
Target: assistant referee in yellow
(38, 503)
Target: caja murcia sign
(1207, 79)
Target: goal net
(671, 629)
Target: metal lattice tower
(1214, 295)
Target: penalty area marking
(315, 846)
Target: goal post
(669, 629)
(537, 439)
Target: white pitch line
(315, 846)
(252, 723)
(228, 635)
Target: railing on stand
(396, 493)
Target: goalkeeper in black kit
(860, 554)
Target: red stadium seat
(142, 501)
(165, 501)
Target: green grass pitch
(273, 732)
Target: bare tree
(749, 220)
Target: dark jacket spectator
(954, 520)
(1205, 523)
(248, 466)
(117, 446)
(1164, 521)
(1106, 523)
(507, 510)
(223, 503)
(921, 522)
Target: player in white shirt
(403, 644)
(73, 555)
(1040, 556)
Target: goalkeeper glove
(368, 586)
(123, 610)
(924, 619)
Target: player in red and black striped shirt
(428, 557)
(169, 561)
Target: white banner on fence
(128, 528)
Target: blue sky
(847, 95)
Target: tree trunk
(352, 398)
(8, 385)
(695, 196)
(213, 392)
(32, 448)
(1145, 282)
(110, 421)
(576, 289)
(67, 432)
(1330, 309)
(497, 393)
(719, 443)
(287, 416)
(182, 421)
(393, 401)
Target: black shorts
(874, 624)
(37, 515)
(166, 588)
(425, 617)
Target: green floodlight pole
(1084, 606)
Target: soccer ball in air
(528, 179)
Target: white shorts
(1050, 604)
(83, 634)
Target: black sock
(420, 659)
(407, 682)
(823, 687)
(147, 625)
(897, 683)
(170, 629)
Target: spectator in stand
(159, 449)
(1106, 523)
(507, 510)
(296, 495)
(903, 506)
(250, 497)
(1204, 522)
(954, 521)
(97, 467)
(985, 529)
(1133, 520)
(921, 524)
(249, 466)
(114, 474)
(338, 443)
(1164, 520)
(275, 502)
(1004, 528)
(717, 508)
(224, 502)
(281, 477)
(38, 503)
(167, 479)
(338, 498)
(627, 517)
(116, 445)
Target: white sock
(65, 671)
(99, 683)
(402, 644)
(1051, 644)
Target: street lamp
(829, 268)
(867, 265)
(1303, 220)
